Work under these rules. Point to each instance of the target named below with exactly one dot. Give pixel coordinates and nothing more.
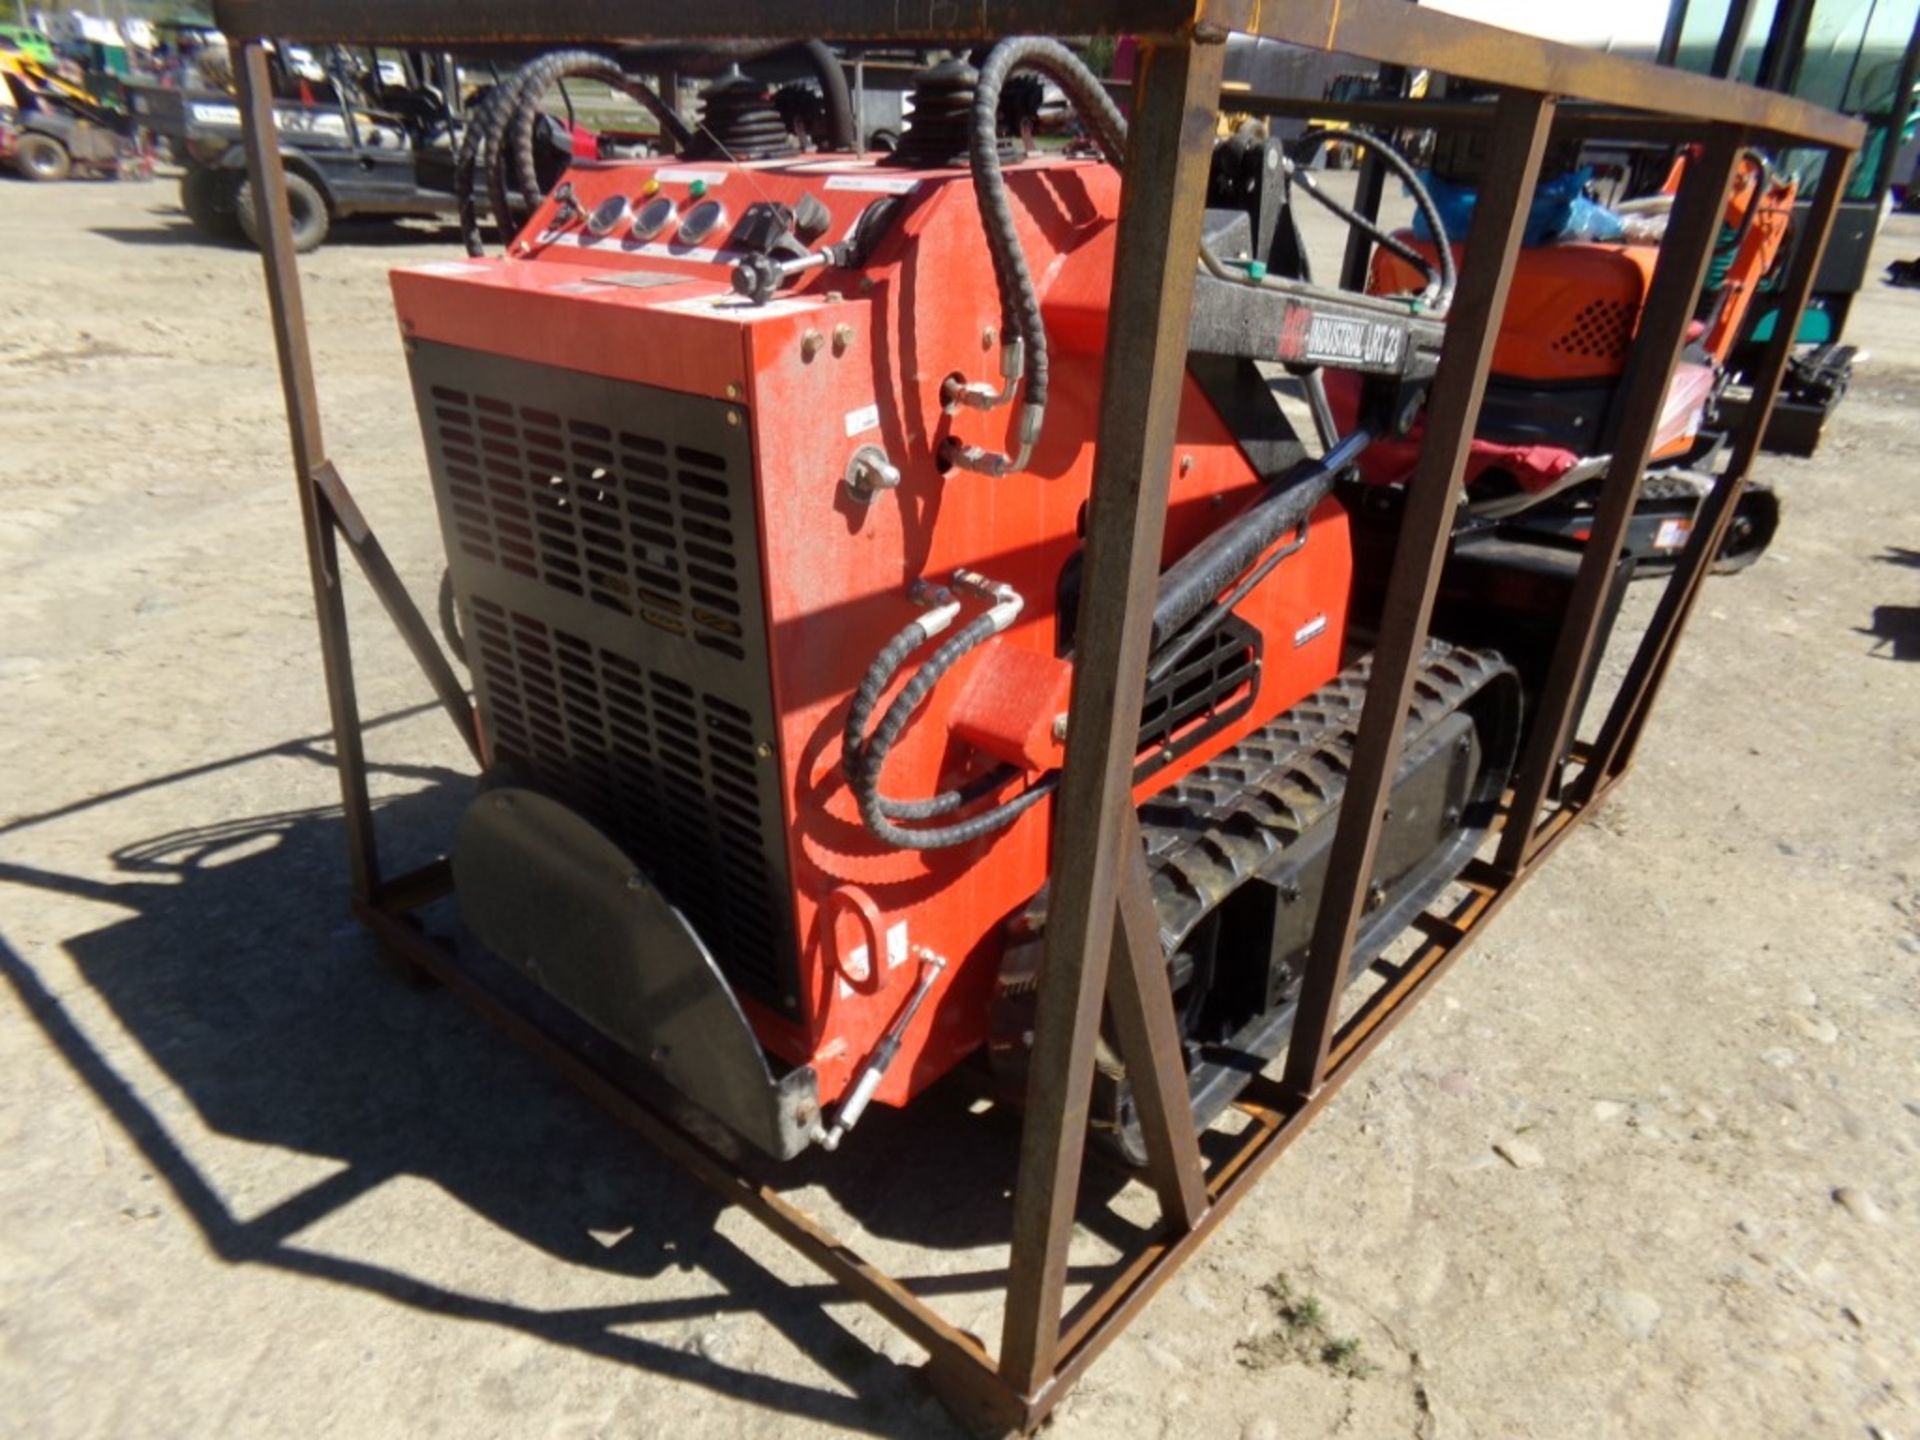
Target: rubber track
(1221, 824)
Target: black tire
(41, 157)
(305, 205)
(1755, 521)
(208, 197)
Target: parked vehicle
(56, 127)
(372, 136)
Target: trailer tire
(306, 207)
(209, 198)
(41, 157)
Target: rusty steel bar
(1572, 121)
(1169, 147)
(1685, 252)
(1394, 32)
(1140, 996)
(1387, 31)
(1522, 123)
(1620, 732)
(392, 593)
(260, 135)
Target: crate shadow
(238, 974)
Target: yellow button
(652, 187)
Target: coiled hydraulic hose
(1438, 295)
(864, 757)
(554, 68)
(499, 137)
(1019, 302)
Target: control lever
(760, 275)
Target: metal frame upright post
(267, 176)
(1096, 845)
(1613, 748)
(1685, 252)
(1522, 121)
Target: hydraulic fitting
(1013, 364)
(870, 473)
(1007, 601)
(874, 1069)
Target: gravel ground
(1644, 1166)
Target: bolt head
(810, 344)
(842, 339)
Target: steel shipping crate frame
(1102, 944)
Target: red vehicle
(762, 473)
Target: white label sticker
(448, 267)
(857, 966)
(687, 177)
(874, 184)
(866, 418)
(1672, 534)
(1314, 628)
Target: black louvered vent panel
(667, 772)
(603, 542)
(632, 522)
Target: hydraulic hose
(471, 158)
(1019, 302)
(869, 760)
(1198, 576)
(1439, 294)
(572, 65)
(498, 143)
(833, 89)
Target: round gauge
(654, 217)
(607, 215)
(705, 218)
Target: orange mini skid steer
(762, 472)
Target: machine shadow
(1895, 632)
(272, 1018)
(368, 231)
(237, 973)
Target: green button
(697, 189)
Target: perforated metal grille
(603, 541)
(665, 770)
(1602, 330)
(1209, 689)
(629, 521)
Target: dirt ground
(1645, 1165)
